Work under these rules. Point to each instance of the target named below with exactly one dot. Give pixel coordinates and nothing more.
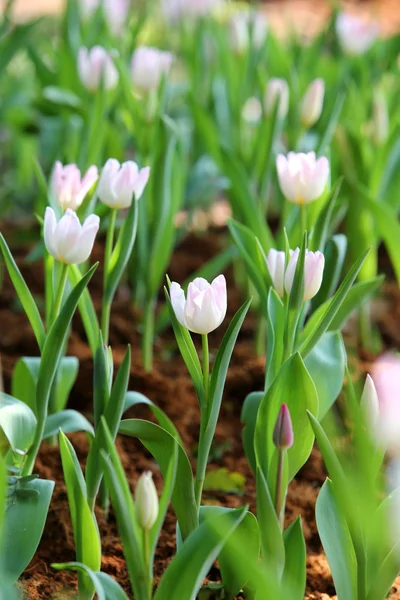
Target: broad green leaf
(184, 575)
(295, 559)
(160, 443)
(272, 545)
(86, 309)
(23, 528)
(24, 294)
(84, 524)
(336, 540)
(326, 364)
(67, 421)
(134, 398)
(276, 328)
(384, 578)
(331, 460)
(105, 586)
(249, 419)
(3, 489)
(17, 422)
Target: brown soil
(169, 386)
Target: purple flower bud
(283, 431)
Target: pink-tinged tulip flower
(120, 182)
(380, 119)
(276, 267)
(302, 177)
(385, 373)
(204, 309)
(313, 102)
(283, 436)
(146, 501)
(277, 90)
(313, 272)
(149, 65)
(68, 241)
(68, 188)
(248, 29)
(174, 10)
(252, 111)
(370, 403)
(356, 34)
(96, 68)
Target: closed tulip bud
(204, 309)
(283, 436)
(119, 183)
(380, 120)
(313, 272)
(277, 91)
(252, 111)
(356, 34)
(248, 29)
(276, 267)
(146, 501)
(385, 373)
(97, 68)
(116, 14)
(302, 177)
(313, 102)
(69, 189)
(149, 66)
(68, 241)
(174, 10)
(370, 403)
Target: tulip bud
(248, 29)
(118, 183)
(283, 436)
(96, 68)
(276, 267)
(277, 91)
(370, 403)
(380, 119)
(252, 111)
(116, 14)
(386, 376)
(174, 10)
(68, 188)
(146, 500)
(356, 35)
(68, 241)
(148, 67)
(205, 306)
(302, 177)
(312, 104)
(313, 272)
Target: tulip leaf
(17, 422)
(222, 480)
(275, 336)
(23, 528)
(86, 309)
(272, 546)
(105, 586)
(134, 398)
(337, 543)
(295, 559)
(24, 294)
(184, 576)
(67, 421)
(249, 418)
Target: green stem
(278, 491)
(203, 451)
(148, 335)
(206, 366)
(106, 308)
(148, 569)
(60, 293)
(303, 217)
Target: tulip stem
(203, 450)
(278, 491)
(106, 308)
(60, 293)
(148, 335)
(146, 557)
(206, 366)
(303, 216)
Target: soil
(169, 386)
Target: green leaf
(384, 578)
(222, 480)
(105, 586)
(275, 336)
(357, 296)
(331, 460)
(24, 294)
(321, 229)
(23, 530)
(3, 490)
(332, 124)
(249, 418)
(17, 422)
(295, 559)
(67, 421)
(160, 443)
(326, 364)
(337, 543)
(184, 575)
(335, 254)
(86, 309)
(272, 546)
(134, 398)
(86, 533)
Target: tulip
(356, 35)
(276, 267)
(68, 241)
(247, 29)
(302, 177)
(146, 500)
(380, 121)
(118, 183)
(148, 67)
(370, 403)
(174, 10)
(69, 189)
(96, 68)
(283, 436)
(205, 306)
(115, 12)
(277, 91)
(88, 7)
(312, 104)
(252, 111)
(385, 373)
(313, 271)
